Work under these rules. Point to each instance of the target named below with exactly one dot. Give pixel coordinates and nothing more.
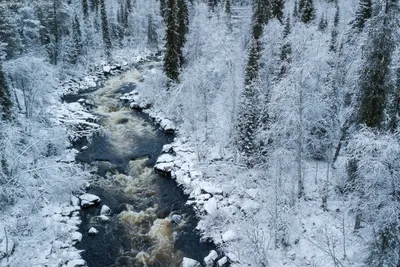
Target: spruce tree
(5, 102)
(286, 49)
(152, 38)
(307, 11)
(248, 113)
(364, 13)
(85, 8)
(374, 74)
(9, 32)
(77, 49)
(228, 7)
(295, 10)
(94, 5)
(212, 4)
(163, 8)
(129, 6)
(105, 29)
(171, 57)
(323, 23)
(334, 33)
(277, 7)
(183, 27)
(261, 16)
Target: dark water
(114, 244)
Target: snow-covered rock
(186, 262)
(228, 236)
(88, 200)
(93, 231)
(103, 218)
(176, 218)
(75, 201)
(76, 237)
(165, 158)
(164, 167)
(167, 125)
(106, 69)
(211, 205)
(105, 210)
(76, 263)
(222, 261)
(211, 257)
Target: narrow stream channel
(140, 232)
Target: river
(140, 231)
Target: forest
(291, 108)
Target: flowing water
(140, 232)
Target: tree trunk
(357, 224)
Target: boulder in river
(106, 70)
(176, 218)
(103, 218)
(187, 262)
(105, 210)
(93, 231)
(222, 261)
(88, 200)
(76, 263)
(212, 256)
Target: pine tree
(364, 13)
(277, 7)
(85, 8)
(105, 30)
(307, 11)
(171, 58)
(5, 102)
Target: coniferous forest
(268, 131)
